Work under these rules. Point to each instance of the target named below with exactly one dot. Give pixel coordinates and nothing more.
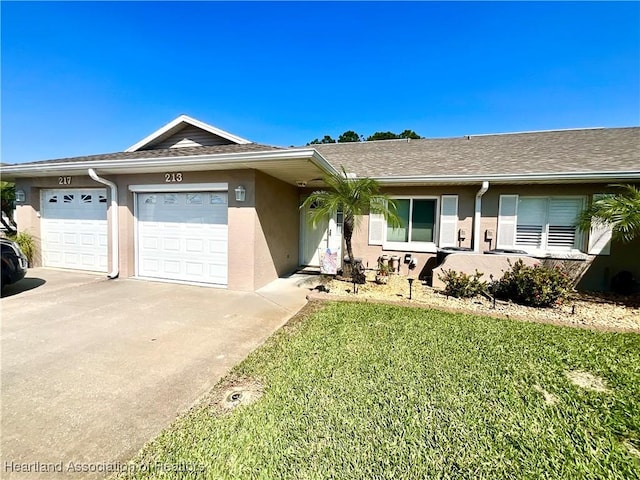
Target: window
(418, 221)
(425, 223)
(541, 223)
(418, 224)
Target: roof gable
(185, 131)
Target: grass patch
(361, 391)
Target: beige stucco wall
(263, 242)
(370, 253)
(241, 220)
(599, 269)
(264, 230)
(277, 229)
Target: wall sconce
(21, 196)
(241, 193)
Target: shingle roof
(165, 153)
(562, 151)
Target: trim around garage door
(181, 187)
(181, 233)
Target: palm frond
(619, 210)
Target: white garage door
(183, 236)
(74, 228)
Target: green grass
(362, 391)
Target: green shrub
(462, 285)
(27, 244)
(536, 286)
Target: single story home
(193, 203)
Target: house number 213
(173, 177)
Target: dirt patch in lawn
(588, 381)
(608, 313)
(549, 398)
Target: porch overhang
(291, 166)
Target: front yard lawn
(365, 391)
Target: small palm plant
(355, 197)
(620, 211)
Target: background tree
(354, 197)
(325, 139)
(409, 134)
(382, 136)
(349, 136)
(620, 211)
(8, 198)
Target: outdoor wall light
(21, 196)
(241, 193)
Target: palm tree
(354, 197)
(620, 211)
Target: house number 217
(173, 177)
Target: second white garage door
(183, 236)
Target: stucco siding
(277, 229)
(599, 269)
(466, 206)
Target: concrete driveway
(94, 368)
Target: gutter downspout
(115, 259)
(478, 216)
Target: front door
(316, 240)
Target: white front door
(74, 228)
(316, 240)
(183, 236)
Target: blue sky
(91, 77)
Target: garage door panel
(74, 229)
(183, 236)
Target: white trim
(509, 178)
(181, 282)
(136, 241)
(179, 187)
(126, 164)
(184, 119)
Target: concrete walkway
(93, 368)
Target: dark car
(14, 263)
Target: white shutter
(448, 220)
(599, 236)
(532, 218)
(507, 215)
(376, 229)
(562, 222)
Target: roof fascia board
(171, 162)
(511, 178)
(187, 120)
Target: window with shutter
(532, 213)
(419, 220)
(548, 223)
